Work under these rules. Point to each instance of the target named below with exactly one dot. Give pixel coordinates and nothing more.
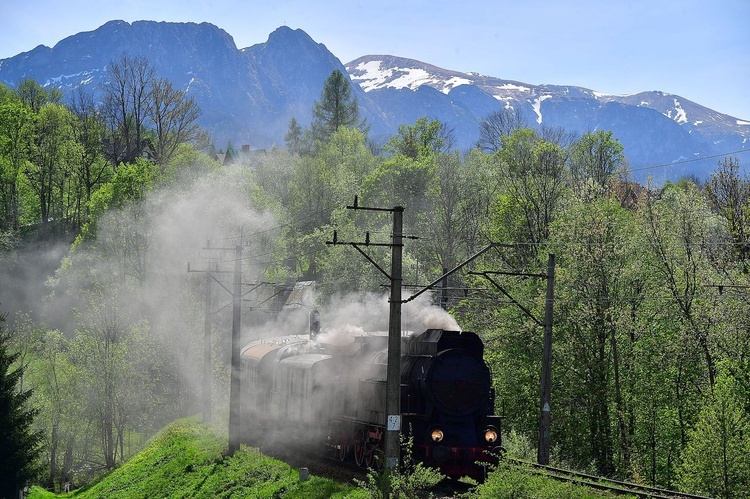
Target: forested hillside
(651, 356)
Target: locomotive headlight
(490, 435)
(437, 435)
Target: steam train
(331, 393)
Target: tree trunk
(68, 459)
(53, 455)
(624, 442)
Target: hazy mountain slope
(655, 128)
(248, 96)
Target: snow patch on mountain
(371, 77)
(510, 86)
(536, 104)
(80, 78)
(454, 82)
(411, 78)
(680, 114)
(375, 75)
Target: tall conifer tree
(19, 443)
(336, 107)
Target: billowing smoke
(24, 271)
(130, 285)
(371, 312)
(343, 317)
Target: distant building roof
(239, 157)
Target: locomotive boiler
(323, 391)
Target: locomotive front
(448, 402)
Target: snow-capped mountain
(656, 128)
(248, 96)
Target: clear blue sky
(698, 49)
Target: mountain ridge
(248, 95)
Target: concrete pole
(234, 388)
(546, 378)
(393, 380)
(444, 290)
(207, 368)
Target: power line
(675, 163)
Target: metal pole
(444, 290)
(207, 353)
(546, 378)
(234, 389)
(393, 380)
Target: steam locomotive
(328, 392)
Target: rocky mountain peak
(248, 96)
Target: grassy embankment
(185, 460)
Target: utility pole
(393, 379)
(392, 447)
(546, 377)
(235, 423)
(444, 290)
(234, 388)
(207, 367)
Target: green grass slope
(185, 460)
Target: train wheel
(374, 457)
(359, 447)
(343, 452)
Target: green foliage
(425, 137)
(18, 440)
(400, 181)
(130, 184)
(518, 446)
(293, 137)
(729, 195)
(409, 480)
(187, 460)
(595, 159)
(532, 178)
(16, 125)
(510, 482)
(336, 108)
(717, 458)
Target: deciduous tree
(595, 159)
(717, 458)
(125, 108)
(174, 116)
(495, 127)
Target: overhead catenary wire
(693, 160)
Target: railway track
(328, 465)
(601, 483)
